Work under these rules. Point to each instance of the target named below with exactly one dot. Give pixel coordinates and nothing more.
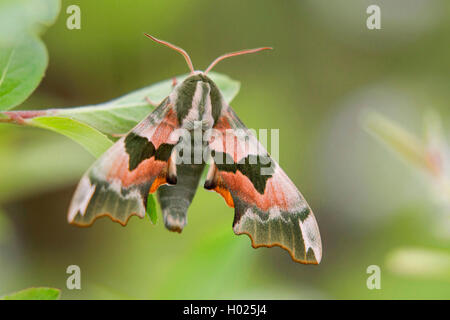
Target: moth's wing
(268, 206)
(118, 183)
(176, 199)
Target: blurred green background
(326, 70)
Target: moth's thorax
(195, 99)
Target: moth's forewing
(118, 183)
(268, 206)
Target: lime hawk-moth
(161, 155)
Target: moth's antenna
(174, 47)
(232, 54)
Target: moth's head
(198, 92)
(189, 62)
(195, 77)
(190, 85)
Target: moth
(159, 154)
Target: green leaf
(23, 56)
(91, 139)
(151, 209)
(22, 67)
(34, 294)
(122, 114)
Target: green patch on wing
(138, 149)
(118, 204)
(283, 230)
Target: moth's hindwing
(118, 183)
(268, 206)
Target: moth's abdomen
(175, 200)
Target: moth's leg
(154, 104)
(172, 168)
(150, 102)
(118, 135)
(211, 176)
(214, 182)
